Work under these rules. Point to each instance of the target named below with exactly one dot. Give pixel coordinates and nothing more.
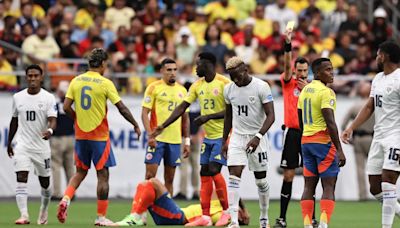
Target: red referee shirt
(290, 97)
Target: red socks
(144, 198)
(307, 209)
(69, 192)
(220, 188)
(327, 207)
(102, 206)
(206, 191)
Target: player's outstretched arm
(68, 108)
(186, 134)
(203, 119)
(11, 133)
(227, 128)
(362, 116)
(288, 56)
(178, 111)
(329, 118)
(126, 113)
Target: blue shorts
(171, 153)
(211, 152)
(100, 152)
(319, 160)
(165, 212)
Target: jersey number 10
(307, 117)
(30, 115)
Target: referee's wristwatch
(259, 135)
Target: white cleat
(233, 225)
(23, 220)
(103, 221)
(42, 219)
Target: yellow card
(290, 25)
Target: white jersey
(248, 113)
(32, 112)
(385, 91)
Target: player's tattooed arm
(329, 118)
(68, 108)
(227, 128)
(126, 113)
(203, 119)
(11, 134)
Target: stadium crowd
(139, 34)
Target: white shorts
(384, 154)
(237, 155)
(23, 161)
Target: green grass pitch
(82, 213)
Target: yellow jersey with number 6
(90, 92)
(211, 98)
(313, 98)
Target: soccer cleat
(315, 223)
(42, 219)
(130, 220)
(323, 225)
(280, 222)
(62, 211)
(264, 223)
(224, 219)
(23, 220)
(103, 221)
(233, 225)
(204, 220)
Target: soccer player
(292, 84)
(89, 92)
(152, 195)
(209, 90)
(321, 148)
(383, 165)
(160, 99)
(33, 121)
(249, 113)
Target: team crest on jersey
(216, 92)
(296, 92)
(180, 95)
(389, 89)
(252, 99)
(149, 156)
(147, 99)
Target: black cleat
(280, 222)
(315, 223)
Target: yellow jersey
(313, 98)
(211, 98)
(162, 99)
(194, 211)
(90, 92)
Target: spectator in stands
(351, 24)
(62, 144)
(335, 19)
(185, 53)
(40, 46)
(198, 27)
(362, 137)
(280, 13)
(27, 16)
(214, 45)
(345, 49)
(274, 42)
(244, 7)
(119, 15)
(105, 33)
(248, 47)
(151, 13)
(310, 10)
(85, 44)
(380, 29)
(122, 40)
(221, 9)
(263, 26)
(262, 61)
(8, 82)
(9, 34)
(84, 18)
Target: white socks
(263, 194)
(389, 203)
(21, 196)
(233, 197)
(45, 199)
(379, 197)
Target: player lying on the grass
(152, 195)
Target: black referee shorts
(291, 154)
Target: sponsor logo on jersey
(178, 160)
(201, 93)
(218, 157)
(164, 94)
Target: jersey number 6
(86, 100)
